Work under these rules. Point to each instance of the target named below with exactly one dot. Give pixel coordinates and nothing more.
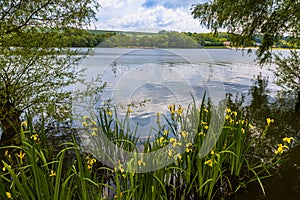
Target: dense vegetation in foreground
(39, 170)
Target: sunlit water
(174, 76)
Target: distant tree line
(163, 39)
(85, 38)
(225, 39)
(72, 37)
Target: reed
(34, 171)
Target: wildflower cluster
(141, 162)
(21, 155)
(174, 142)
(173, 111)
(269, 122)
(52, 173)
(90, 161)
(119, 167)
(212, 161)
(240, 124)
(281, 148)
(35, 137)
(189, 147)
(90, 125)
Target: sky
(147, 16)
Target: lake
(160, 77)
(172, 76)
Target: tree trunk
(297, 107)
(10, 123)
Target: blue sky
(147, 15)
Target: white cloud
(130, 15)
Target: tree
(288, 71)
(36, 67)
(244, 20)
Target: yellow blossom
(90, 161)
(209, 163)
(109, 113)
(206, 127)
(24, 123)
(269, 121)
(166, 132)
(203, 123)
(172, 109)
(178, 157)
(179, 111)
(84, 124)
(120, 167)
(116, 196)
(53, 173)
(141, 162)
(6, 153)
(129, 110)
(212, 152)
(188, 147)
(35, 137)
(94, 123)
(251, 126)
(170, 153)
(21, 155)
(280, 149)
(184, 133)
(243, 130)
(201, 133)
(228, 110)
(4, 168)
(85, 117)
(288, 140)
(188, 150)
(174, 142)
(157, 117)
(95, 129)
(160, 140)
(8, 194)
(94, 133)
(227, 117)
(205, 110)
(234, 113)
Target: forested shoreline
(162, 39)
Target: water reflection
(285, 184)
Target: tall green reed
(34, 171)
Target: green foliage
(35, 171)
(163, 39)
(33, 71)
(210, 39)
(270, 23)
(85, 38)
(287, 71)
(245, 19)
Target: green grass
(215, 47)
(34, 171)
